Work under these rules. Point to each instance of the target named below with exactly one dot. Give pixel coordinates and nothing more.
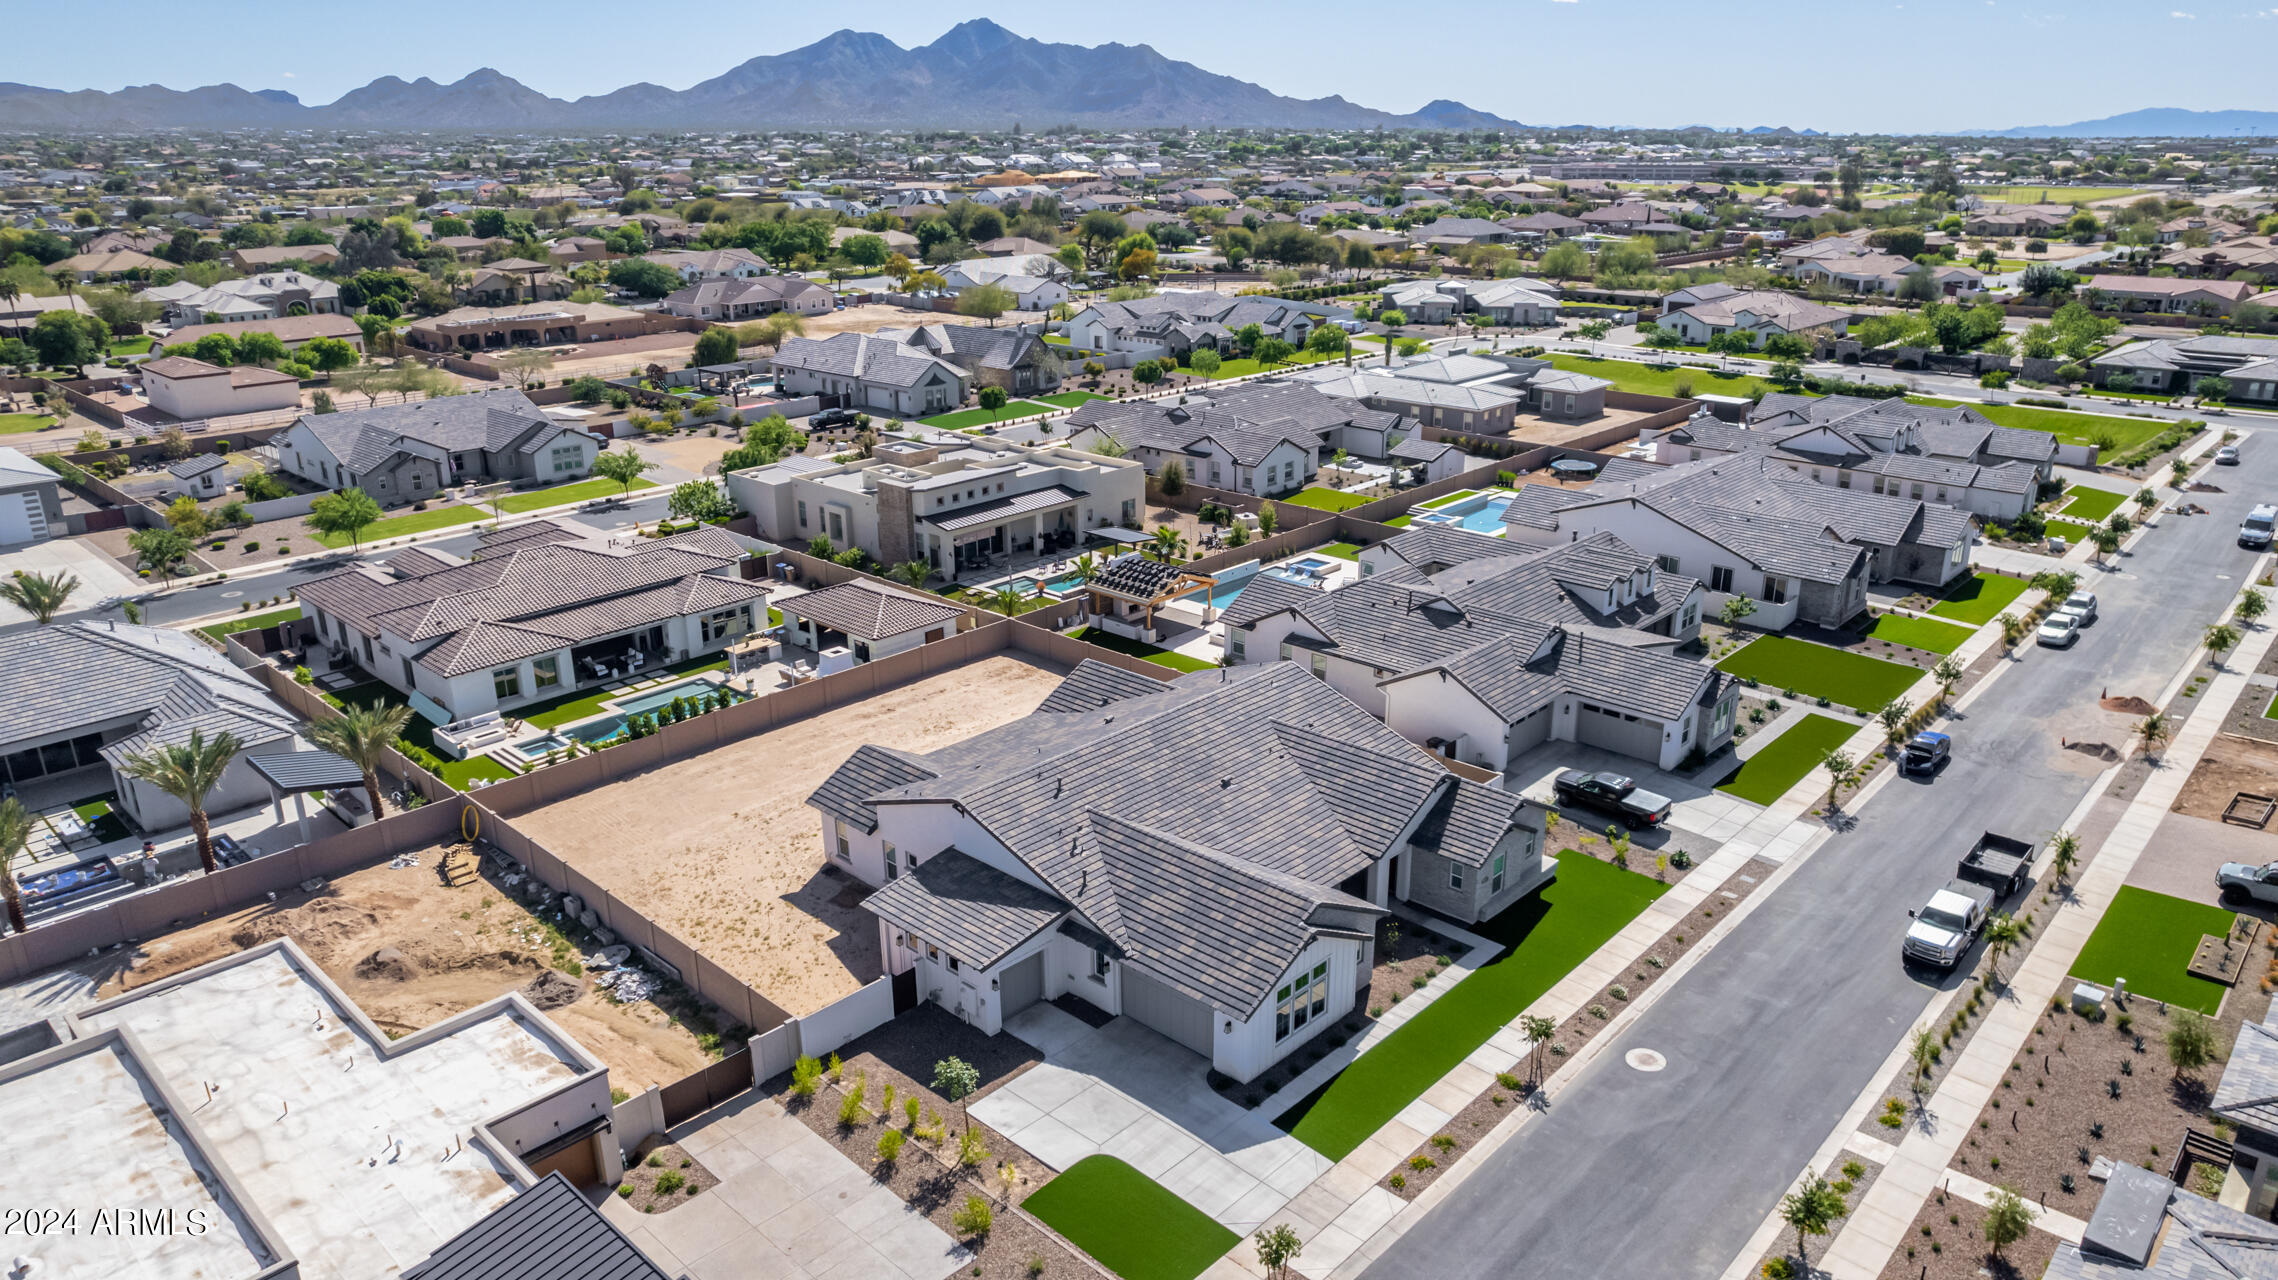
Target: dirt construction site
(412, 950)
(722, 851)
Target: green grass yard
(1980, 599)
(1447, 498)
(2271, 712)
(1766, 776)
(134, 346)
(16, 423)
(2073, 427)
(442, 517)
(250, 622)
(1544, 935)
(1128, 1222)
(1398, 522)
(2070, 529)
(1242, 365)
(1320, 499)
(1817, 671)
(1071, 399)
(1919, 633)
(2026, 194)
(96, 813)
(963, 419)
(2148, 938)
(1138, 649)
(1648, 380)
(1341, 550)
(2092, 505)
(562, 494)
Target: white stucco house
(406, 452)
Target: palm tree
(187, 771)
(360, 735)
(2153, 729)
(15, 837)
(2001, 933)
(1086, 567)
(1168, 543)
(2064, 851)
(1007, 600)
(41, 595)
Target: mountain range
(2155, 122)
(978, 75)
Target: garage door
(575, 1162)
(22, 518)
(1597, 726)
(1155, 1004)
(1526, 735)
(1023, 984)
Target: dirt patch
(1947, 1242)
(2230, 765)
(2103, 751)
(2130, 705)
(662, 1177)
(722, 850)
(2056, 1111)
(412, 951)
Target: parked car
(2080, 604)
(1945, 927)
(2255, 530)
(1926, 753)
(833, 418)
(2227, 456)
(1611, 793)
(2241, 883)
(2058, 630)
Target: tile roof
(491, 421)
(78, 676)
(1012, 504)
(548, 1230)
(969, 908)
(870, 610)
(866, 358)
(1095, 684)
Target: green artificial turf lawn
(461, 772)
(100, 819)
(1645, 379)
(559, 711)
(1071, 399)
(1446, 498)
(2075, 428)
(2271, 712)
(1919, 633)
(1980, 599)
(250, 622)
(1128, 1222)
(1320, 499)
(1816, 671)
(13, 423)
(1398, 522)
(1545, 935)
(2148, 938)
(2092, 505)
(963, 418)
(2072, 530)
(1341, 550)
(563, 494)
(403, 526)
(1785, 760)
(1137, 649)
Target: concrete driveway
(1696, 808)
(1127, 1092)
(101, 581)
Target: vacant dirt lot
(2231, 765)
(870, 317)
(722, 850)
(411, 951)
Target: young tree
(2001, 933)
(2252, 604)
(1923, 1049)
(188, 771)
(1172, 479)
(1277, 1248)
(1272, 351)
(1893, 717)
(2007, 1220)
(986, 302)
(2106, 540)
(955, 1079)
(991, 399)
(1838, 765)
(2153, 729)
(2220, 639)
(159, 551)
(624, 467)
(1269, 517)
(361, 735)
(1812, 1209)
(1949, 673)
(525, 365)
(1538, 1031)
(1735, 609)
(2064, 852)
(184, 514)
(2191, 1041)
(41, 595)
(15, 838)
(1204, 361)
(349, 512)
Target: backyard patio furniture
(69, 828)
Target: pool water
(1230, 584)
(1060, 586)
(1483, 514)
(658, 699)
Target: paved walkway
(788, 1207)
(1878, 1226)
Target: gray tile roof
(1095, 684)
(967, 907)
(2146, 1226)
(198, 465)
(547, 1232)
(1735, 502)
(865, 358)
(2248, 1093)
(78, 677)
(994, 509)
(872, 611)
(1184, 428)
(1469, 821)
(492, 421)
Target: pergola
(1133, 583)
(296, 773)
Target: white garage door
(1597, 726)
(22, 518)
(1023, 985)
(1154, 1004)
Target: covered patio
(337, 781)
(986, 535)
(1126, 593)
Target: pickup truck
(1997, 862)
(1611, 793)
(1946, 926)
(2242, 882)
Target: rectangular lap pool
(658, 699)
(1481, 514)
(1230, 584)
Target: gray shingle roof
(547, 1232)
(967, 907)
(871, 611)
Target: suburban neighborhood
(936, 653)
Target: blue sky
(1927, 64)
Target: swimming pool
(1030, 584)
(1481, 514)
(1230, 584)
(658, 699)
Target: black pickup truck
(1998, 862)
(1611, 793)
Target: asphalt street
(1778, 1028)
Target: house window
(410, 681)
(838, 833)
(721, 625)
(1719, 578)
(1668, 563)
(545, 672)
(1775, 590)
(1495, 873)
(506, 682)
(1234, 644)
(1100, 963)
(1301, 1001)
(1320, 666)
(803, 512)
(568, 457)
(891, 869)
(1455, 875)
(1692, 615)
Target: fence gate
(697, 1093)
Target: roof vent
(1224, 783)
